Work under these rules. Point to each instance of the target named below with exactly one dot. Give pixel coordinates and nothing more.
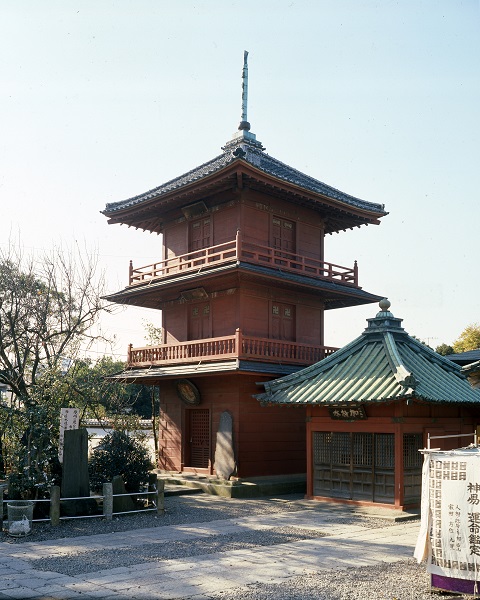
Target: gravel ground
(98, 560)
(179, 510)
(404, 580)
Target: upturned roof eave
(221, 170)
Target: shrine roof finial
(244, 124)
(243, 134)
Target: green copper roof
(383, 364)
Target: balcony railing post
(355, 273)
(238, 343)
(129, 354)
(237, 244)
(130, 273)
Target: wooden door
(283, 240)
(197, 446)
(199, 234)
(199, 322)
(354, 465)
(283, 322)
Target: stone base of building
(254, 487)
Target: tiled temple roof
(251, 152)
(384, 364)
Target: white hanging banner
(69, 419)
(450, 530)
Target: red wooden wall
(268, 441)
(252, 213)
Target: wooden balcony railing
(228, 347)
(239, 249)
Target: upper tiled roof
(383, 364)
(240, 149)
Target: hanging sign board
(69, 419)
(347, 413)
(450, 530)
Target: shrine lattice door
(354, 466)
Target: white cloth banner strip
(450, 529)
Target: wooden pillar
(309, 434)
(237, 245)
(399, 476)
(238, 343)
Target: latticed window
(321, 446)
(362, 449)
(384, 450)
(412, 443)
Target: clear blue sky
(103, 100)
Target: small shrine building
(370, 407)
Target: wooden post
(238, 351)
(355, 273)
(129, 354)
(55, 505)
(130, 273)
(1, 506)
(108, 501)
(160, 496)
(237, 245)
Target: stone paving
(344, 545)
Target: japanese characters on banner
(452, 491)
(69, 419)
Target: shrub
(119, 454)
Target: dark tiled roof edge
(262, 161)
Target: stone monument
(225, 464)
(75, 480)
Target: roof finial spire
(244, 124)
(243, 135)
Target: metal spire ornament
(243, 134)
(244, 124)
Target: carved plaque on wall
(347, 413)
(188, 392)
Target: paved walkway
(344, 545)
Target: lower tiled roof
(203, 368)
(383, 364)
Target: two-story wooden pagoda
(242, 287)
